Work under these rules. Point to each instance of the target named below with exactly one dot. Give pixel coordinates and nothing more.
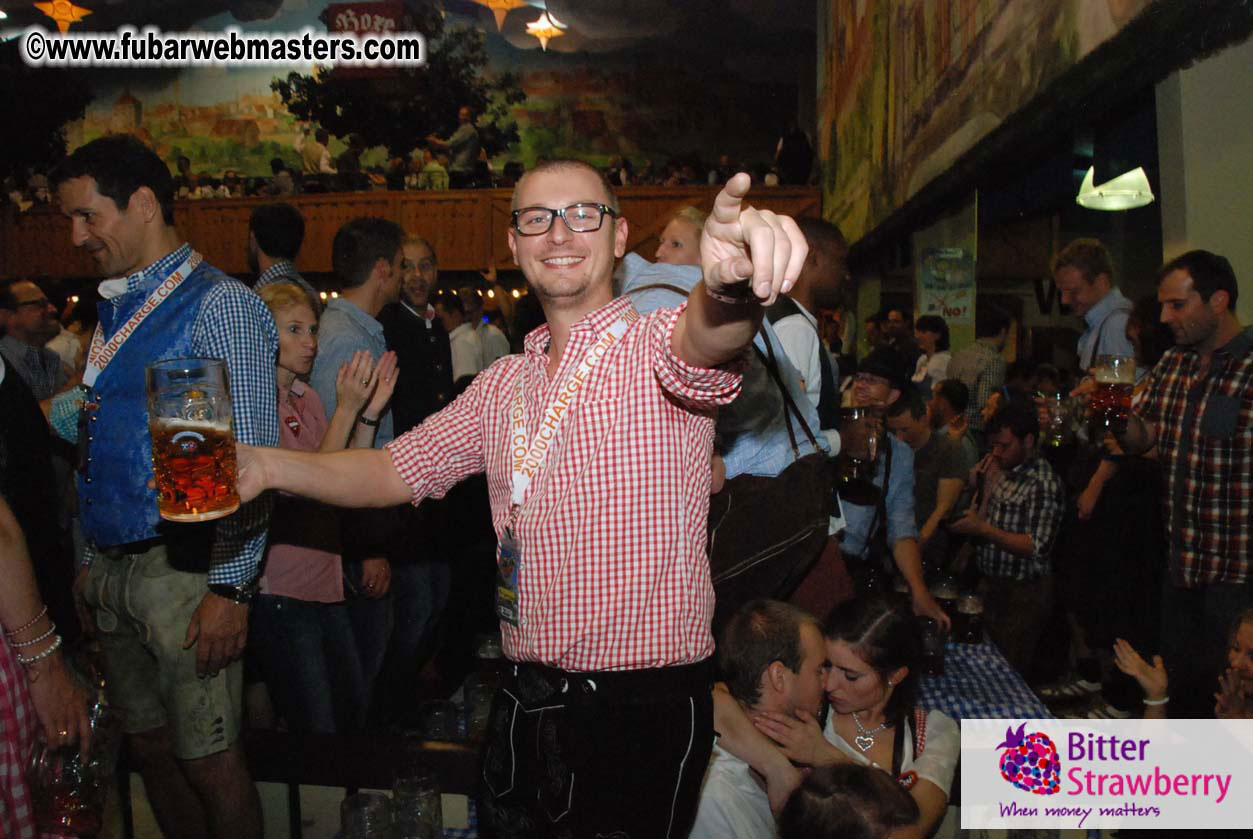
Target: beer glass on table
(193, 442)
(1115, 377)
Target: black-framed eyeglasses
(584, 217)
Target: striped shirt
(613, 572)
(1204, 429)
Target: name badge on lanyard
(528, 459)
(102, 352)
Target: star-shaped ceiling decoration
(63, 12)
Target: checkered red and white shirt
(614, 573)
(17, 736)
(1205, 439)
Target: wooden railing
(466, 227)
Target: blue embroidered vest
(115, 504)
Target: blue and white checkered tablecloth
(979, 683)
(470, 831)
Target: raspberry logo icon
(1030, 761)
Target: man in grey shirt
(462, 147)
(368, 260)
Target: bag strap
(772, 367)
(881, 505)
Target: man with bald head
(596, 441)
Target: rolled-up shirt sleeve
(234, 325)
(698, 388)
(900, 498)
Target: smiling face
(297, 339)
(852, 684)
(33, 319)
(1078, 294)
(680, 243)
(420, 274)
(567, 268)
(113, 237)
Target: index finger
(730, 199)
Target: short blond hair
(691, 214)
(282, 295)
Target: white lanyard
(528, 460)
(102, 352)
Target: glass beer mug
(1115, 377)
(193, 442)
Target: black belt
(131, 548)
(534, 682)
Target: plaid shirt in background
(1204, 429)
(1028, 499)
(982, 369)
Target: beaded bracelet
(32, 642)
(52, 648)
(1161, 701)
(29, 624)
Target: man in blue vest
(169, 601)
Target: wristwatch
(237, 594)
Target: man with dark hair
(875, 329)
(315, 155)
(980, 366)
(1015, 531)
(493, 342)
(947, 409)
(463, 338)
(275, 233)
(1195, 409)
(794, 317)
(882, 533)
(773, 658)
(614, 513)
(941, 468)
(368, 258)
(28, 320)
(170, 600)
(900, 335)
(282, 183)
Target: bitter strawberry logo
(1030, 762)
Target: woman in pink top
(301, 638)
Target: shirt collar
(427, 315)
(146, 279)
(1238, 345)
(282, 268)
(356, 314)
(536, 341)
(1113, 299)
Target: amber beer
(1111, 403)
(194, 466)
(193, 446)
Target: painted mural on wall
(907, 86)
(645, 102)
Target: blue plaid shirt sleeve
(234, 324)
(1045, 518)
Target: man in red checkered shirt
(1197, 409)
(596, 442)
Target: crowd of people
(407, 482)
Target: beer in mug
(193, 445)
(1111, 403)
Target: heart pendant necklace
(865, 737)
